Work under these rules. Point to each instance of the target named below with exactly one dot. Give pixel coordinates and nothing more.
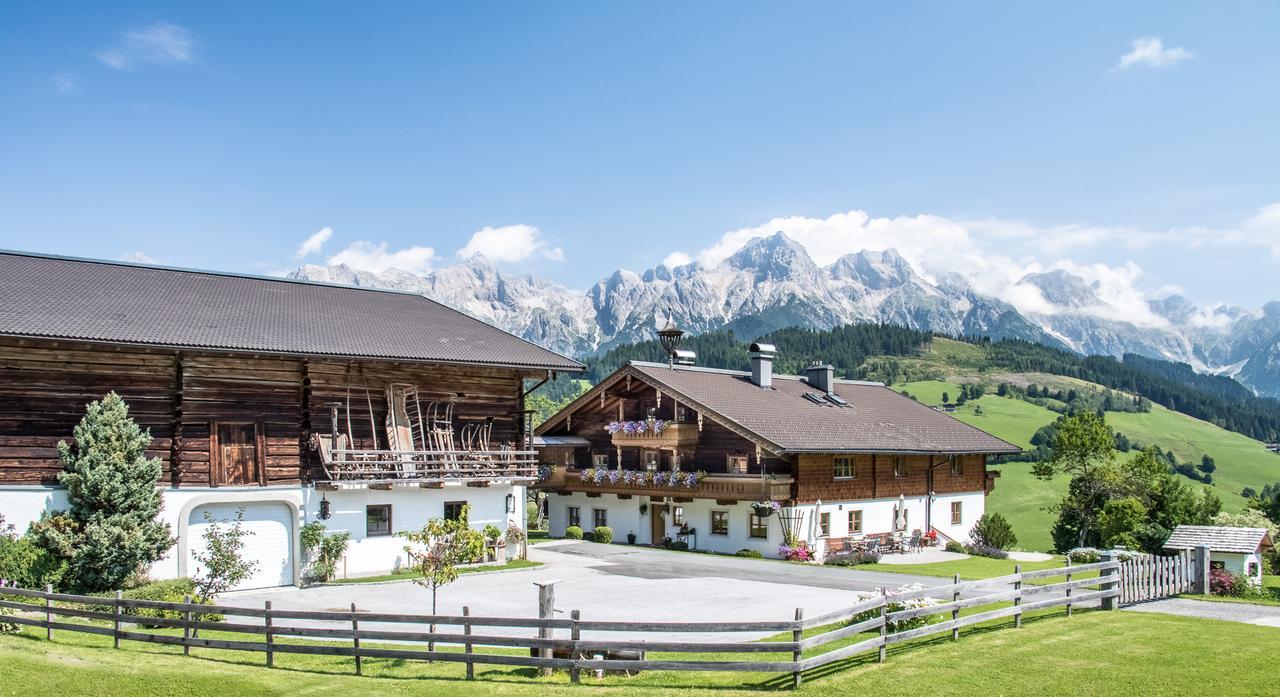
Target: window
(824, 524)
(682, 414)
(955, 513)
(235, 454)
(677, 515)
(759, 527)
(1253, 568)
(899, 466)
(600, 459)
(957, 467)
(575, 517)
(377, 520)
(651, 459)
(737, 464)
(843, 468)
(599, 517)
(453, 510)
(719, 522)
(855, 522)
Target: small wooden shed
(1236, 550)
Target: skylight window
(813, 398)
(837, 399)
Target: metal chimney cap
(763, 348)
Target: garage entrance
(269, 542)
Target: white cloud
(63, 82)
(314, 243)
(510, 243)
(1263, 228)
(369, 256)
(1149, 52)
(675, 259)
(158, 43)
(138, 257)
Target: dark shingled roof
(1219, 538)
(61, 298)
(877, 419)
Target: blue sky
(590, 136)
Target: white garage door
(270, 528)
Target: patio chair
(917, 540)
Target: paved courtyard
(615, 582)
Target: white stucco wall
(1238, 564)
(22, 505)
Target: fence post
(466, 629)
(1017, 599)
(796, 635)
(574, 635)
(955, 612)
(355, 639)
(48, 612)
(186, 627)
(1068, 581)
(271, 639)
(1202, 570)
(546, 611)
(884, 621)
(115, 624)
(1107, 579)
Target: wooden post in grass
(796, 635)
(546, 611)
(186, 627)
(1017, 599)
(115, 624)
(575, 634)
(466, 629)
(1068, 587)
(955, 612)
(1201, 585)
(271, 639)
(355, 639)
(1107, 579)
(884, 621)
(48, 612)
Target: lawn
(1094, 653)
(971, 569)
(409, 575)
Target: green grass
(971, 569)
(1093, 653)
(410, 575)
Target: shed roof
(1219, 539)
(874, 418)
(116, 302)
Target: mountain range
(772, 282)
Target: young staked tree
(222, 562)
(441, 546)
(1082, 449)
(111, 531)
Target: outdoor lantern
(670, 336)
(511, 503)
(324, 508)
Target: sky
(1132, 143)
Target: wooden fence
(1149, 577)
(575, 644)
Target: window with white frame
(855, 522)
(842, 468)
(824, 524)
(600, 459)
(651, 459)
(677, 515)
(956, 514)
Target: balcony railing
(674, 435)
(742, 487)
(425, 466)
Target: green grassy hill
(1020, 496)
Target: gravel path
(1265, 615)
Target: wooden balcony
(348, 467)
(675, 435)
(737, 487)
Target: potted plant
(631, 538)
(494, 546)
(764, 509)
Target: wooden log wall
(874, 477)
(44, 387)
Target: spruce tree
(111, 531)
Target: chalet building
(837, 456)
(369, 410)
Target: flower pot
(631, 538)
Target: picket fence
(1148, 577)
(560, 643)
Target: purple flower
(586, 475)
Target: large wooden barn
(296, 401)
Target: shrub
(25, 564)
(749, 553)
(224, 565)
(1084, 555)
(1221, 582)
(993, 530)
(573, 532)
(676, 545)
(953, 546)
(323, 551)
(515, 534)
(174, 590)
(986, 551)
(854, 559)
(603, 534)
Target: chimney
(822, 376)
(762, 365)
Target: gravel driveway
(1265, 615)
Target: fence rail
(870, 625)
